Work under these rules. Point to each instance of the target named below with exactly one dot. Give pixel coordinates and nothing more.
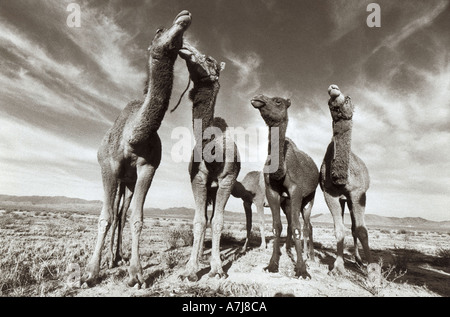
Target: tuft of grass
(172, 258)
(235, 289)
(179, 236)
(31, 270)
(443, 257)
(6, 220)
(388, 275)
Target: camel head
(201, 68)
(341, 107)
(167, 42)
(273, 110)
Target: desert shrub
(24, 267)
(6, 221)
(156, 223)
(402, 258)
(172, 258)
(402, 231)
(81, 227)
(9, 210)
(179, 236)
(389, 274)
(50, 229)
(227, 237)
(443, 257)
(235, 289)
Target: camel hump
(220, 123)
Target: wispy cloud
(420, 17)
(247, 72)
(33, 159)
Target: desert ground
(38, 244)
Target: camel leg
(296, 204)
(199, 226)
(273, 198)
(248, 217)
(145, 175)
(262, 225)
(286, 207)
(336, 209)
(104, 222)
(223, 194)
(359, 229)
(308, 229)
(115, 222)
(118, 256)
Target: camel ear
(288, 101)
(222, 66)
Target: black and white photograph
(225, 149)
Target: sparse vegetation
(36, 248)
(179, 236)
(443, 255)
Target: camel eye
(159, 31)
(278, 102)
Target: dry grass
(37, 247)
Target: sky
(62, 87)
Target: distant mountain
(94, 207)
(47, 200)
(375, 220)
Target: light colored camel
(130, 152)
(344, 178)
(252, 191)
(297, 175)
(215, 162)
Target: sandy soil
(37, 248)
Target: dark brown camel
(344, 178)
(296, 175)
(130, 152)
(212, 175)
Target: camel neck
(342, 137)
(203, 97)
(150, 115)
(276, 150)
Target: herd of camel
(130, 153)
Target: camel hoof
(271, 268)
(135, 276)
(90, 279)
(359, 261)
(217, 276)
(190, 277)
(302, 273)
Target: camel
(211, 180)
(297, 175)
(252, 191)
(344, 178)
(130, 152)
